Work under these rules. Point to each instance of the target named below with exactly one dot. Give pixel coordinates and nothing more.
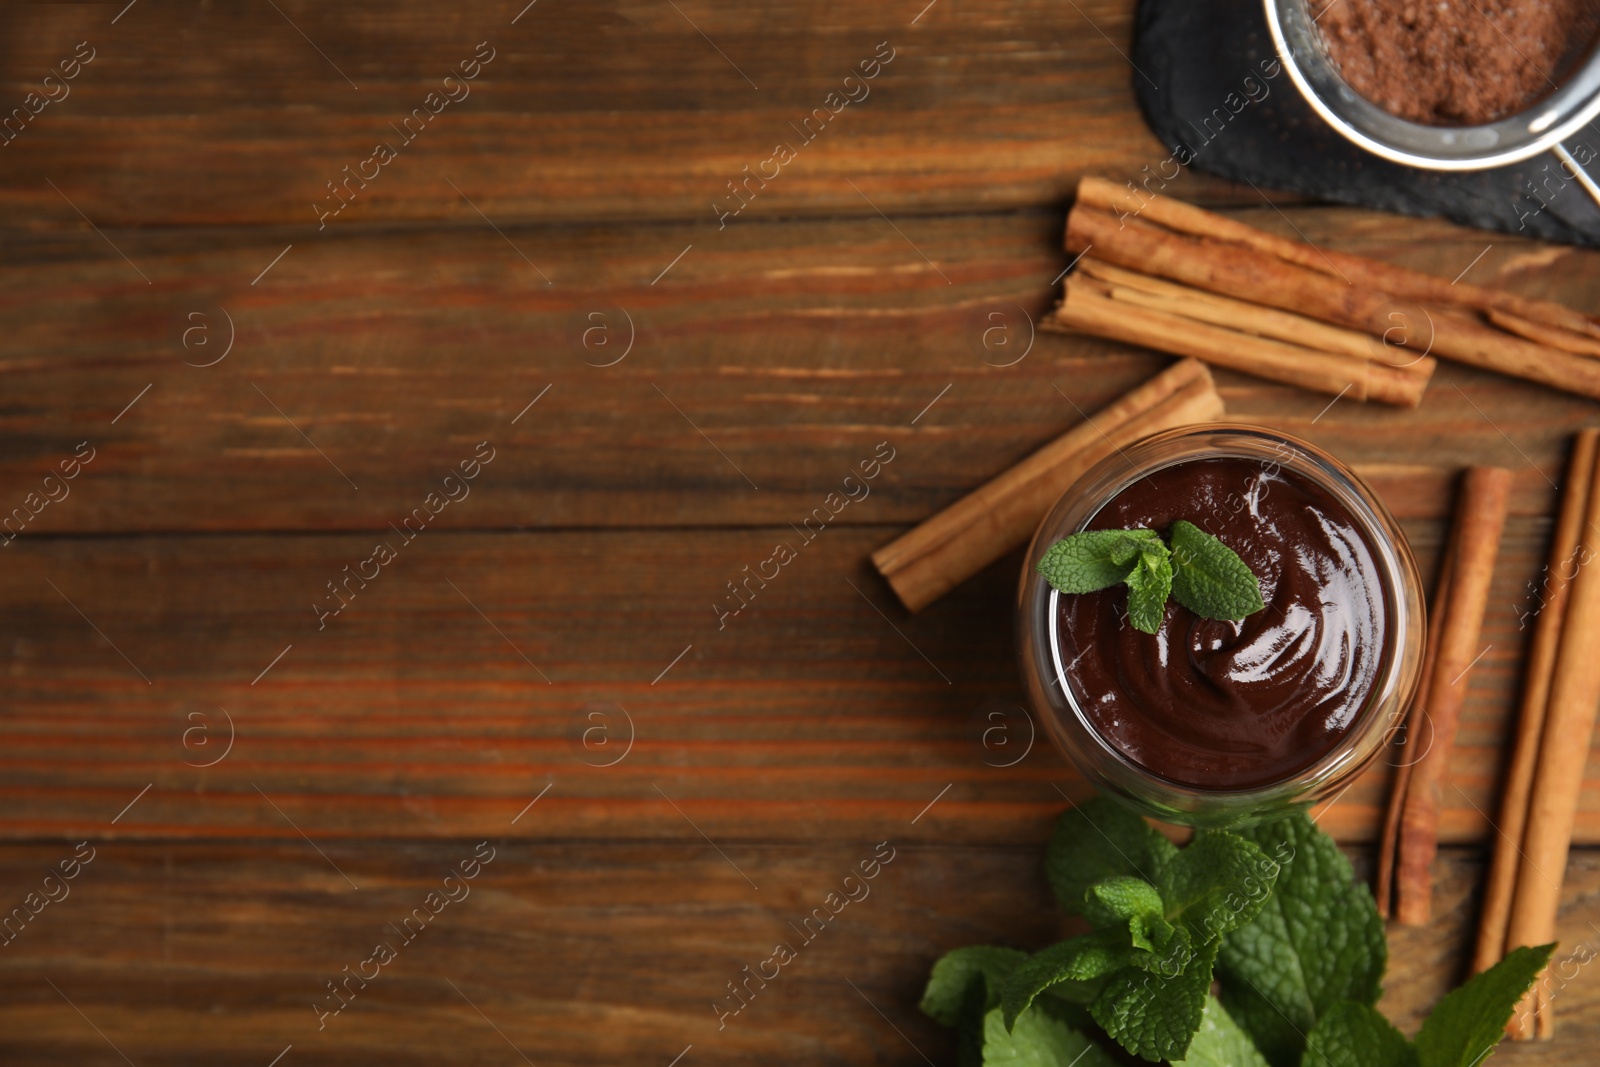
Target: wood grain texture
(817, 710)
(626, 110)
(793, 348)
(487, 684)
(368, 729)
(573, 954)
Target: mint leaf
(1470, 1021)
(1318, 940)
(1204, 574)
(1039, 1039)
(1209, 578)
(1155, 1013)
(1354, 1035)
(1218, 883)
(1150, 932)
(958, 970)
(1082, 959)
(1093, 559)
(1172, 959)
(1128, 903)
(1149, 585)
(1099, 839)
(1219, 1042)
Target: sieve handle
(1577, 171)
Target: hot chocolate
(1220, 705)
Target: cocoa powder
(1455, 62)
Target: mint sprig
(1296, 944)
(959, 971)
(1040, 1038)
(1205, 575)
(1318, 941)
(1159, 916)
(1155, 1015)
(1098, 841)
(1355, 1035)
(1209, 578)
(1149, 585)
(1094, 559)
(1468, 1022)
(1220, 1043)
(1131, 903)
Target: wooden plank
(793, 348)
(812, 714)
(573, 954)
(620, 110)
(1426, 962)
(544, 666)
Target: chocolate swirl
(1234, 705)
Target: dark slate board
(1190, 55)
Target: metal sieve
(1541, 127)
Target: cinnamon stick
(1556, 589)
(1414, 744)
(1563, 751)
(1479, 520)
(1244, 273)
(978, 529)
(1544, 334)
(1220, 310)
(1400, 282)
(1126, 314)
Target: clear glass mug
(1060, 706)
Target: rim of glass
(1383, 535)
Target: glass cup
(1054, 694)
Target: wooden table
(547, 275)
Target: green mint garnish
(1039, 1039)
(1218, 884)
(1467, 1023)
(964, 992)
(1220, 1043)
(1098, 840)
(957, 972)
(1155, 1014)
(1205, 575)
(1149, 585)
(1209, 578)
(1318, 941)
(1272, 913)
(1078, 964)
(1358, 1036)
(1094, 559)
(1132, 903)
(1159, 916)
